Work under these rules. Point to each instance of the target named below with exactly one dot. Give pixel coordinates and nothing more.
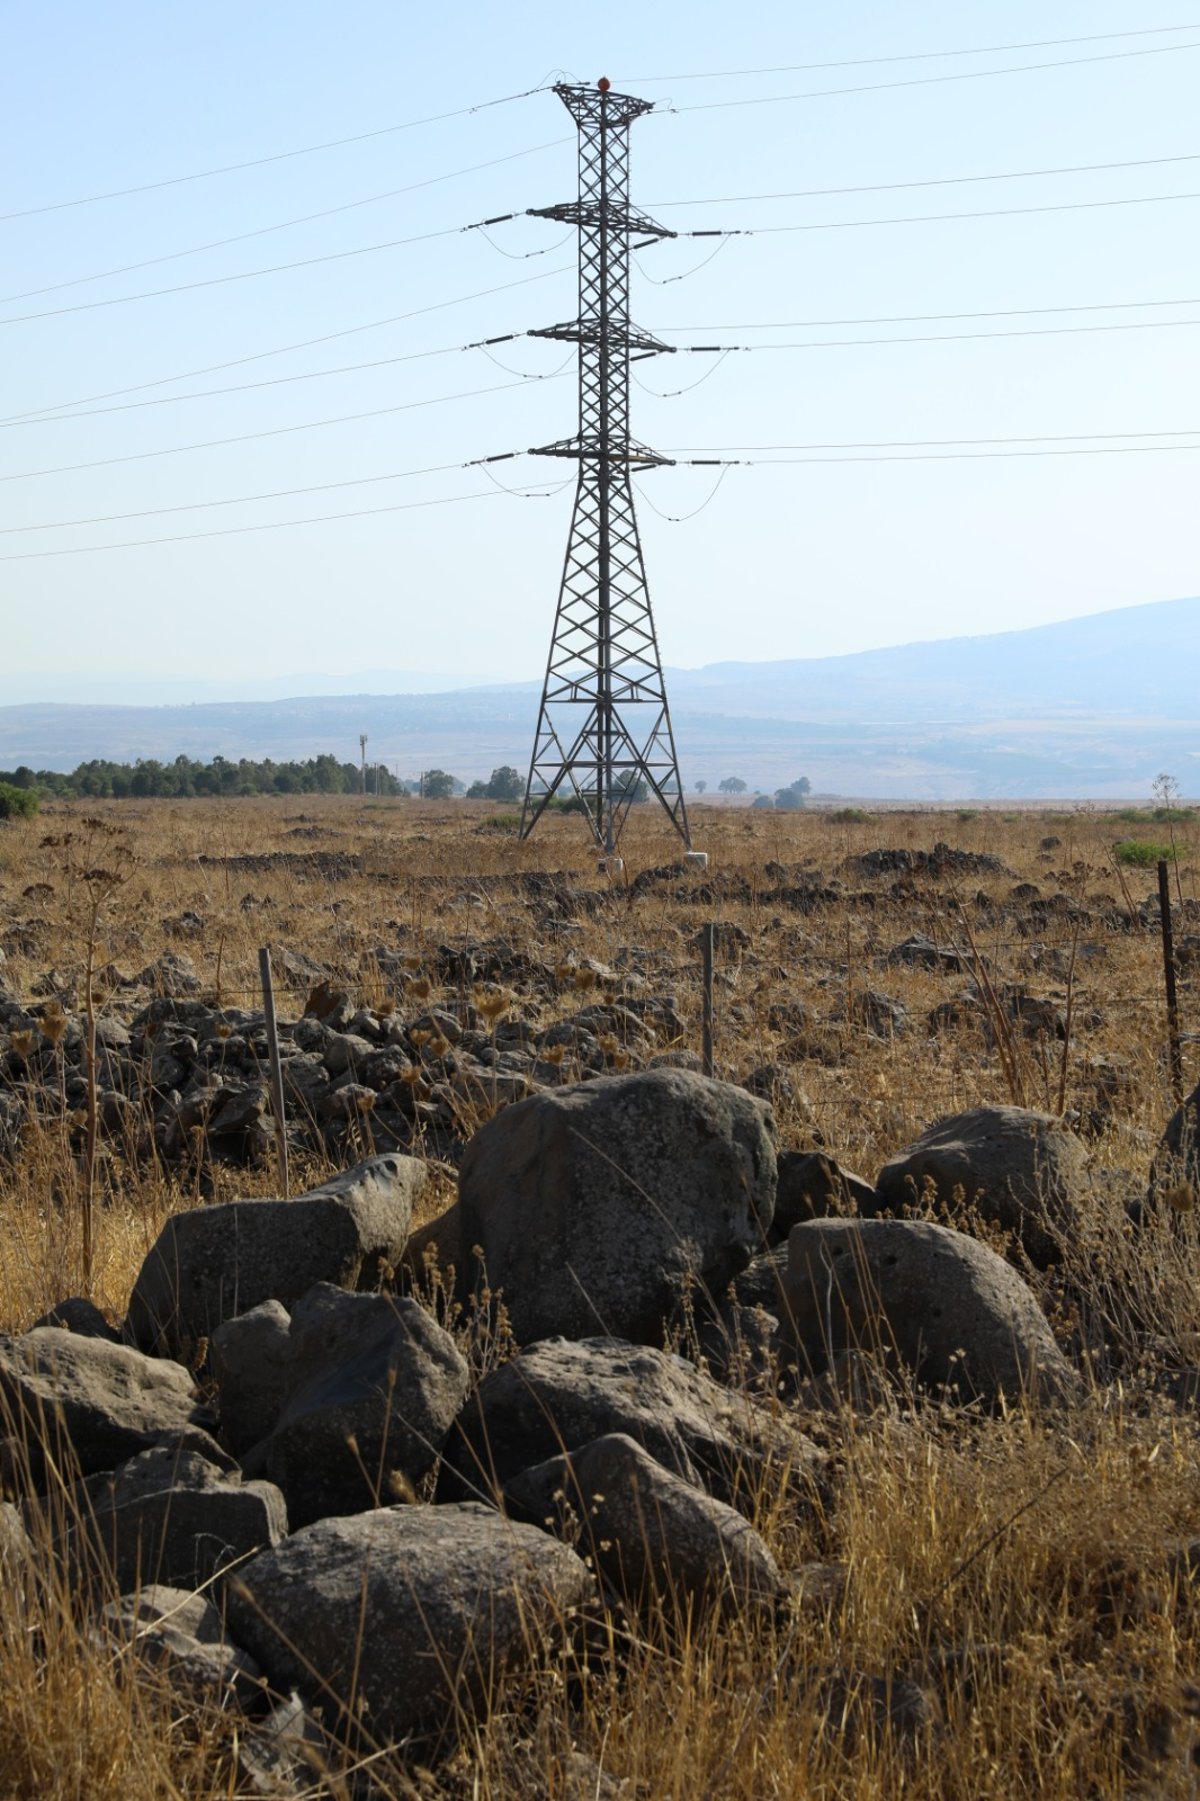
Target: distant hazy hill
(1090, 707)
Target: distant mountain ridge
(1093, 706)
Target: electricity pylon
(604, 725)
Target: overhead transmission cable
(192, 506)
(277, 431)
(723, 461)
(1004, 212)
(936, 181)
(231, 500)
(916, 56)
(259, 356)
(233, 531)
(262, 231)
(217, 281)
(279, 156)
(943, 337)
(921, 81)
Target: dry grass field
(1029, 1573)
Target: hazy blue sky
(785, 561)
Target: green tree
(437, 784)
(17, 803)
(700, 787)
(733, 784)
(506, 784)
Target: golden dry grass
(1021, 1569)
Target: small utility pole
(362, 745)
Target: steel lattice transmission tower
(604, 726)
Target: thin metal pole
(708, 933)
(268, 990)
(1174, 1051)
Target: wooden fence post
(707, 938)
(277, 1108)
(1174, 1052)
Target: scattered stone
(172, 1515)
(1175, 1171)
(942, 1305)
(1023, 1171)
(216, 1262)
(376, 1387)
(652, 1536)
(180, 1632)
(438, 1244)
(559, 1189)
(251, 1361)
(85, 1404)
(920, 951)
(79, 1315)
(812, 1186)
(380, 1614)
(561, 1394)
(870, 1710)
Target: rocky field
(582, 1426)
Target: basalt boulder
(595, 1205)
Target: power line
(936, 181)
(278, 431)
(860, 62)
(955, 456)
(234, 531)
(49, 416)
(233, 500)
(245, 387)
(1003, 212)
(219, 281)
(258, 162)
(1069, 437)
(952, 337)
(920, 81)
(263, 231)
(283, 349)
(1014, 312)
(443, 468)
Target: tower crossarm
(629, 338)
(596, 215)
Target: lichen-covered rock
(404, 1618)
(212, 1263)
(172, 1515)
(595, 1205)
(653, 1537)
(87, 1405)
(561, 1394)
(376, 1386)
(934, 1301)
(1024, 1171)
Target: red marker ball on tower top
(604, 84)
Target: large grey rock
(812, 1186)
(376, 1387)
(653, 1537)
(251, 1362)
(86, 1405)
(939, 1303)
(180, 1632)
(561, 1394)
(213, 1263)
(594, 1205)
(78, 1314)
(405, 1617)
(171, 1515)
(1175, 1172)
(1024, 1171)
